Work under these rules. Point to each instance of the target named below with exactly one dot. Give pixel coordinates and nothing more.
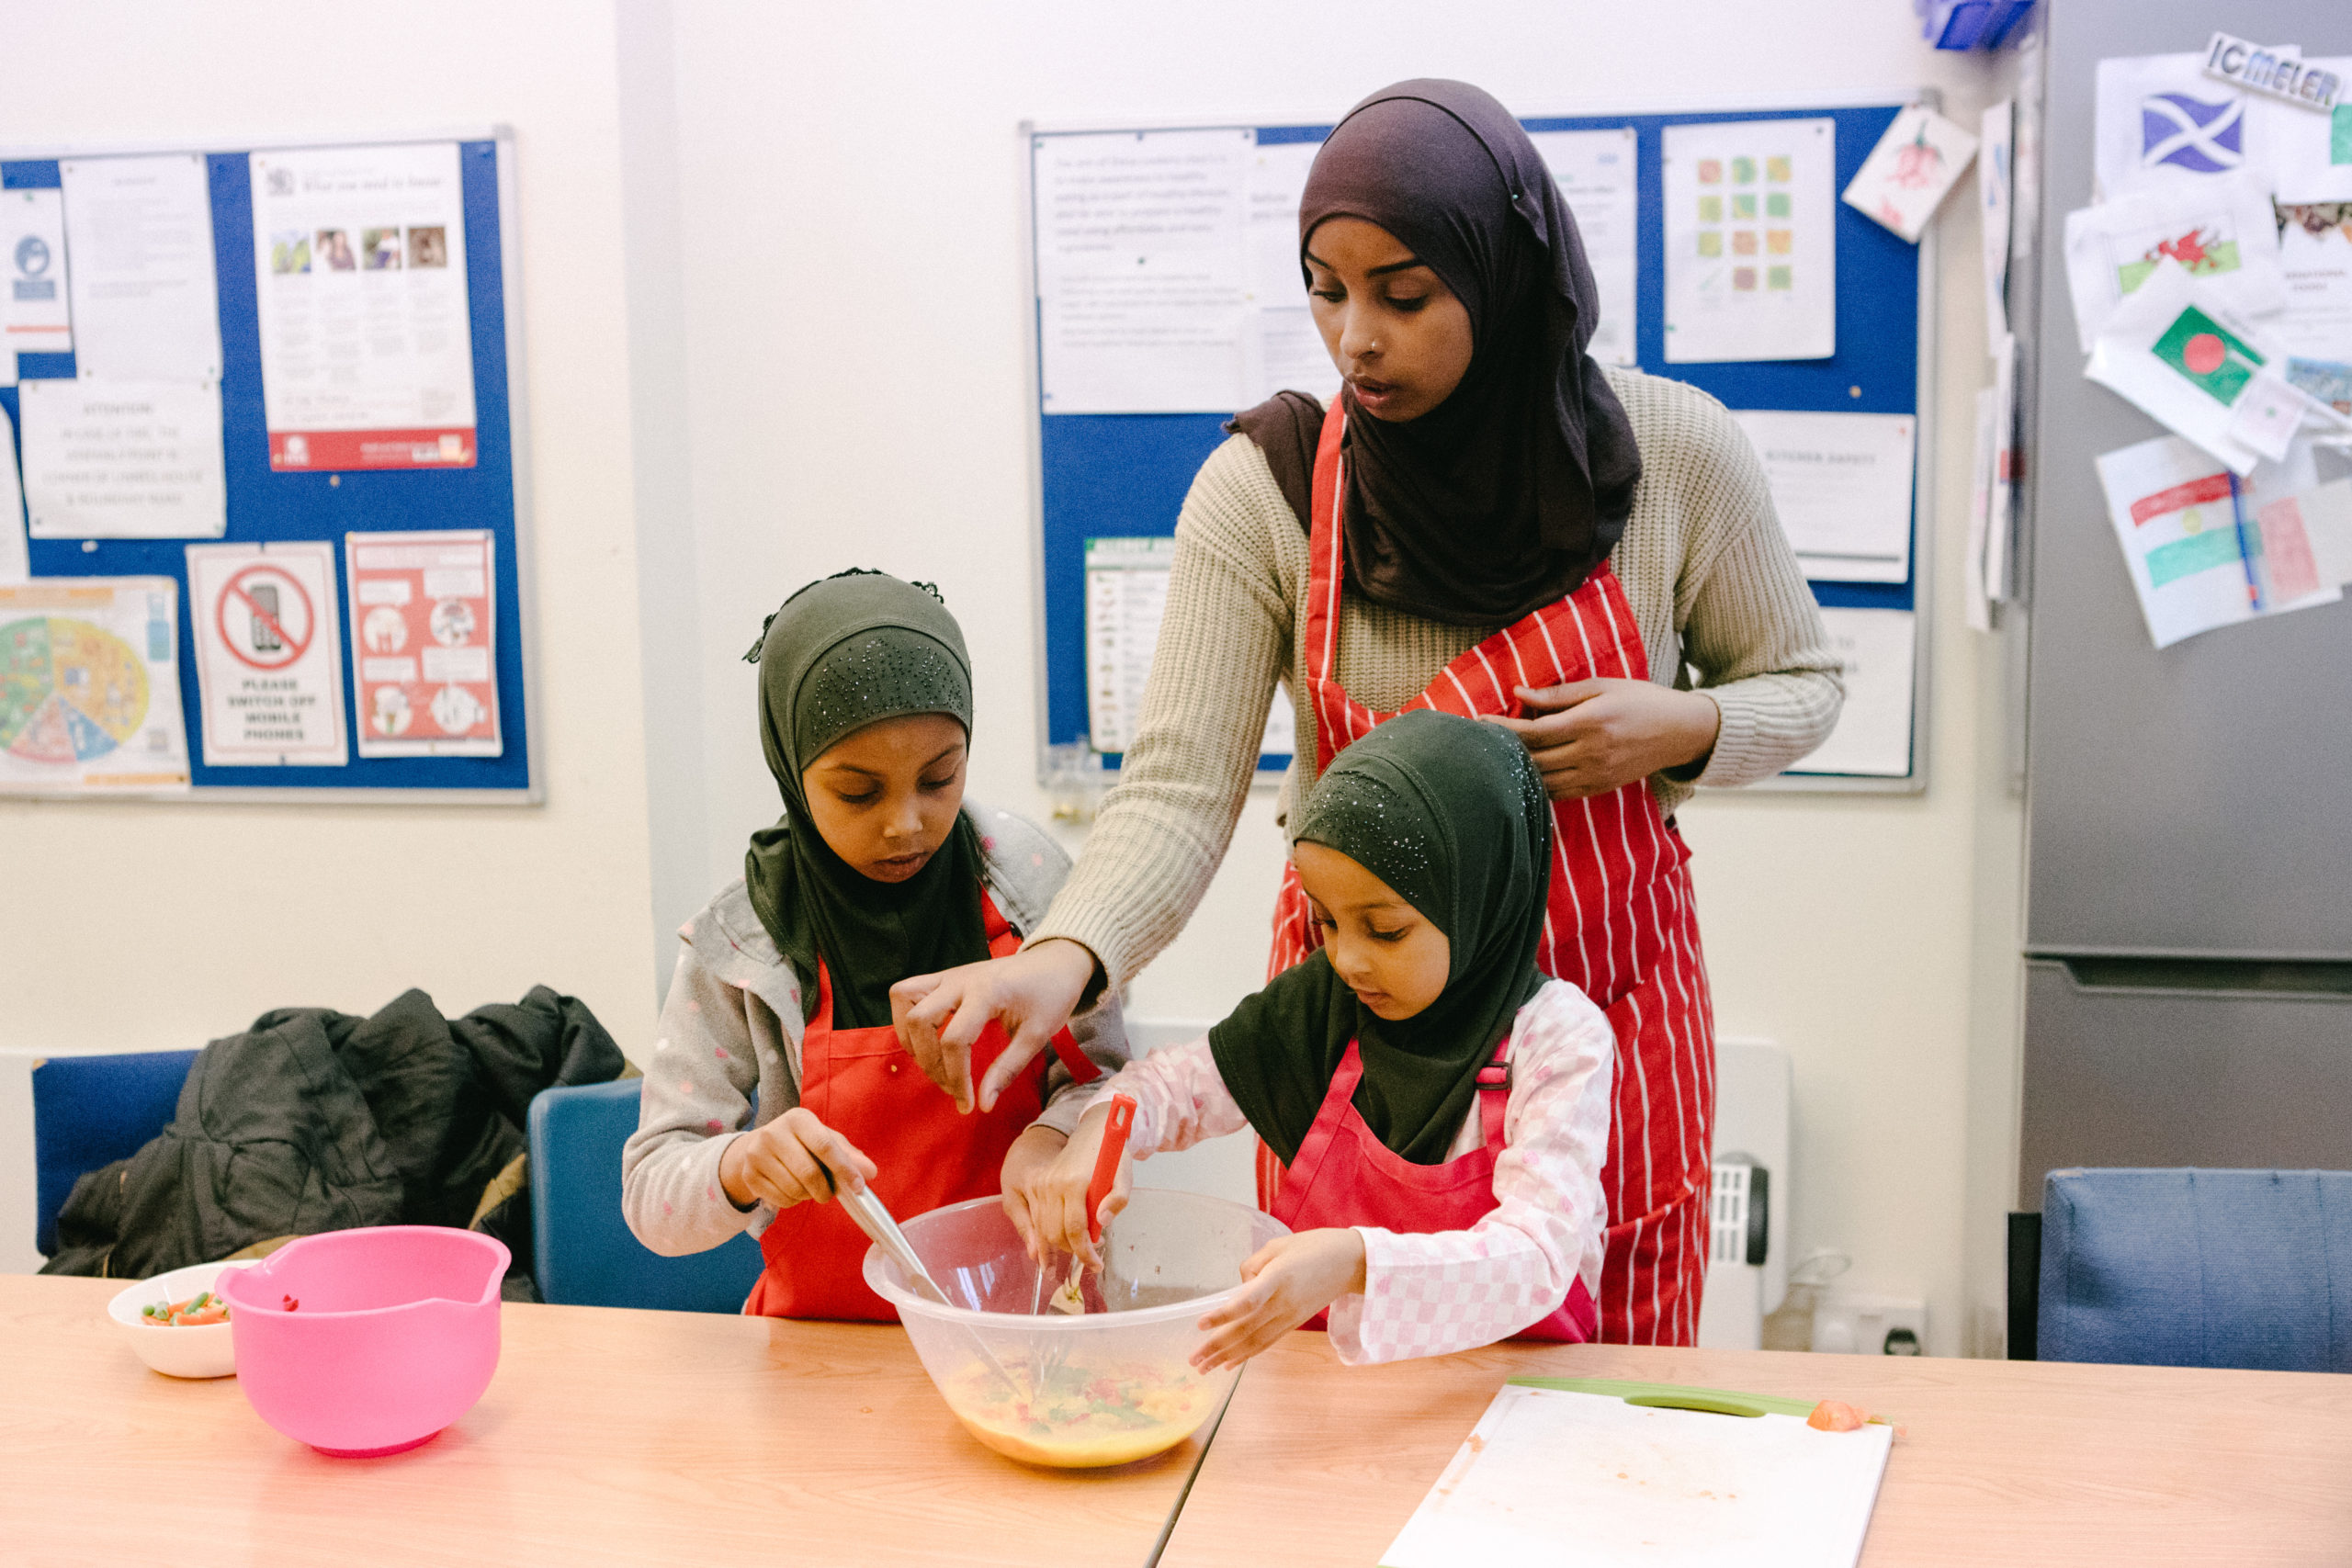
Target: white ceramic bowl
(204, 1352)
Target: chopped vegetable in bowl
(200, 1308)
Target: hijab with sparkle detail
(842, 653)
(1506, 495)
(1452, 815)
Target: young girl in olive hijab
(1440, 1107)
(777, 1079)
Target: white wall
(128, 926)
(857, 396)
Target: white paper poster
(90, 687)
(1917, 162)
(424, 643)
(2001, 477)
(2316, 263)
(1126, 595)
(1975, 594)
(2161, 120)
(15, 562)
(36, 309)
(1751, 259)
(1992, 206)
(1595, 172)
(1841, 483)
(1874, 734)
(2186, 360)
(2307, 152)
(2195, 542)
(2222, 231)
(268, 653)
(367, 343)
(1143, 272)
(123, 460)
(146, 304)
(1281, 348)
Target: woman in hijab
(1392, 1068)
(777, 1079)
(1487, 523)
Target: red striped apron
(1621, 924)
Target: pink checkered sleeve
(1430, 1296)
(1179, 1099)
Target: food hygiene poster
(423, 643)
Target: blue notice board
(1126, 474)
(325, 506)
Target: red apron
(1344, 1176)
(864, 1085)
(1621, 923)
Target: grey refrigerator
(2187, 953)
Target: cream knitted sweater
(1714, 586)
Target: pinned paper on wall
(123, 459)
(424, 643)
(268, 653)
(146, 303)
(2161, 120)
(2307, 152)
(1841, 484)
(1126, 595)
(1976, 596)
(2001, 476)
(1751, 260)
(367, 334)
(2206, 547)
(35, 296)
(16, 562)
(1143, 269)
(2315, 264)
(90, 687)
(1595, 172)
(1282, 350)
(2221, 232)
(1906, 177)
(1873, 737)
(1994, 192)
(2196, 367)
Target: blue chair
(584, 1252)
(89, 1112)
(2246, 1269)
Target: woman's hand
(1055, 1199)
(1285, 1282)
(794, 1159)
(1027, 1165)
(1591, 736)
(1031, 993)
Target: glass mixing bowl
(1110, 1387)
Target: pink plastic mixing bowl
(391, 1336)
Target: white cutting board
(1554, 1478)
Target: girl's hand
(1057, 1198)
(1027, 1164)
(794, 1159)
(1285, 1282)
(1592, 736)
(1031, 993)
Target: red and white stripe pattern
(1620, 925)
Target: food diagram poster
(1751, 241)
(359, 261)
(269, 657)
(90, 687)
(423, 645)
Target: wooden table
(606, 1436)
(1998, 1462)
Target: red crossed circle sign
(292, 611)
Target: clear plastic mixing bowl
(1109, 1387)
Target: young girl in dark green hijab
(777, 1079)
(1440, 1107)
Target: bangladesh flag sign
(2208, 355)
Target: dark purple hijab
(1504, 497)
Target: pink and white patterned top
(1431, 1295)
